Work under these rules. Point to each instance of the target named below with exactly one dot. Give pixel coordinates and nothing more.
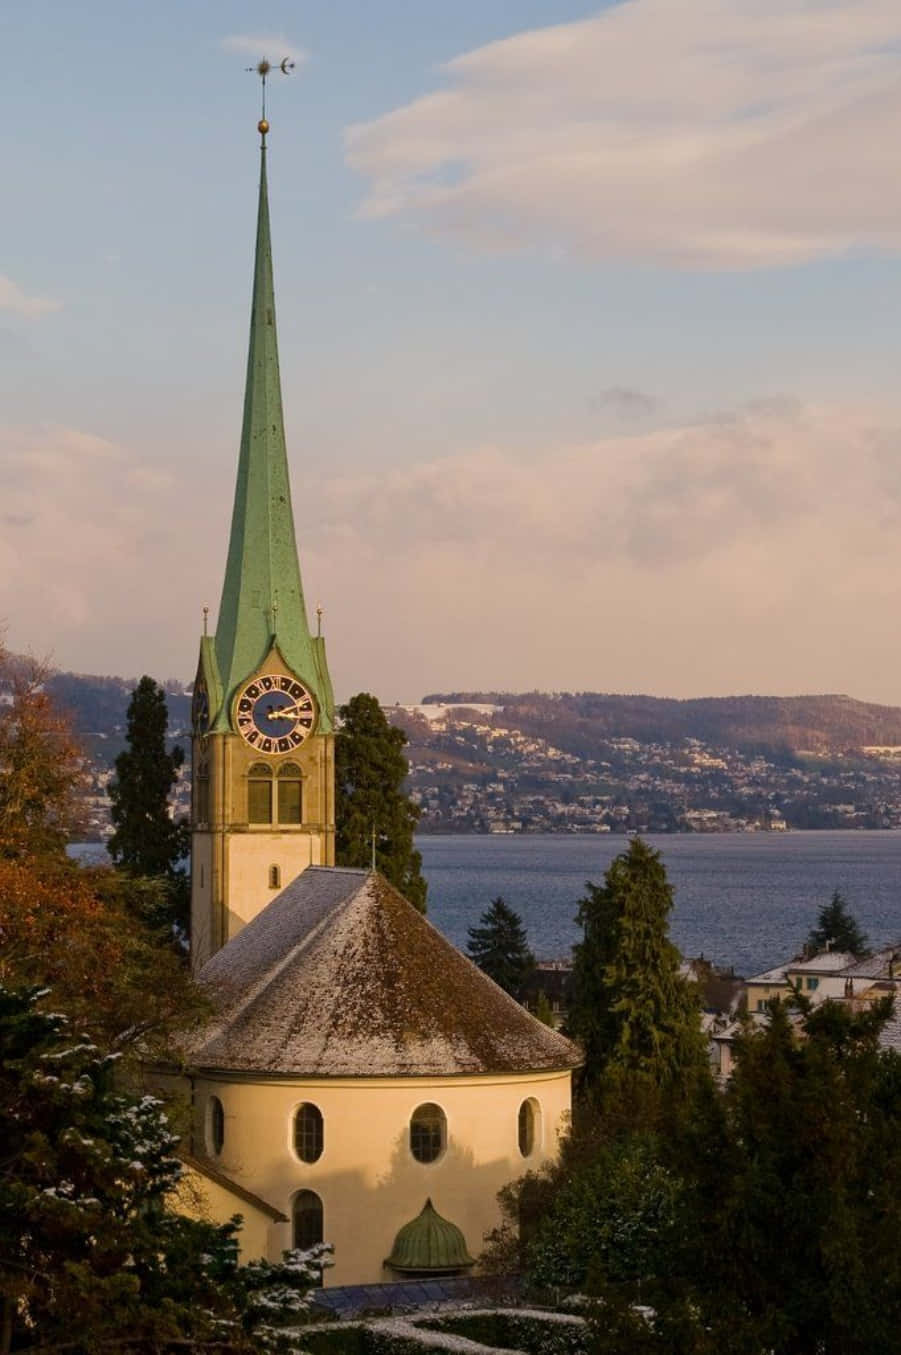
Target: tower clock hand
(294, 712)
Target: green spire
(262, 597)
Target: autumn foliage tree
(78, 932)
(40, 765)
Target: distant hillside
(577, 722)
(580, 722)
(96, 706)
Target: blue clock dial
(275, 713)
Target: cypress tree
(631, 1009)
(147, 840)
(370, 770)
(500, 948)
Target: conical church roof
(340, 977)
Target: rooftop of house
(776, 975)
(340, 977)
(884, 963)
(826, 962)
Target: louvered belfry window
(259, 794)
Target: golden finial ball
(262, 126)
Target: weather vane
(264, 68)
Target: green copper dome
(430, 1243)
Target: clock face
(275, 713)
(200, 708)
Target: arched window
(529, 1126)
(307, 1220)
(428, 1132)
(259, 794)
(308, 1133)
(215, 1125)
(290, 799)
(202, 794)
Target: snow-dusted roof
(776, 975)
(890, 1035)
(826, 962)
(877, 965)
(340, 977)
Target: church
(359, 1081)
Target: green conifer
(500, 948)
(370, 770)
(631, 1009)
(147, 840)
(836, 929)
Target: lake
(742, 899)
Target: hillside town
(473, 771)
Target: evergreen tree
(91, 1255)
(370, 770)
(804, 1144)
(544, 1012)
(147, 841)
(500, 948)
(836, 929)
(631, 1009)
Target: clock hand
(294, 712)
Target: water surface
(743, 899)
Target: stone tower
(263, 712)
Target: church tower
(263, 712)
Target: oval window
(428, 1132)
(307, 1219)
(308, 1133)
(215, 1125)
(528, 1127)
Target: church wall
(199, 1197)
(249, 856)
(368, 1181)
(202, 942)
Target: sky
(590, 332)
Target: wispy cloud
(12, 298)
(726, 555)
(708, 134)
(624, 402)
(758, 550)
(272, 47)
